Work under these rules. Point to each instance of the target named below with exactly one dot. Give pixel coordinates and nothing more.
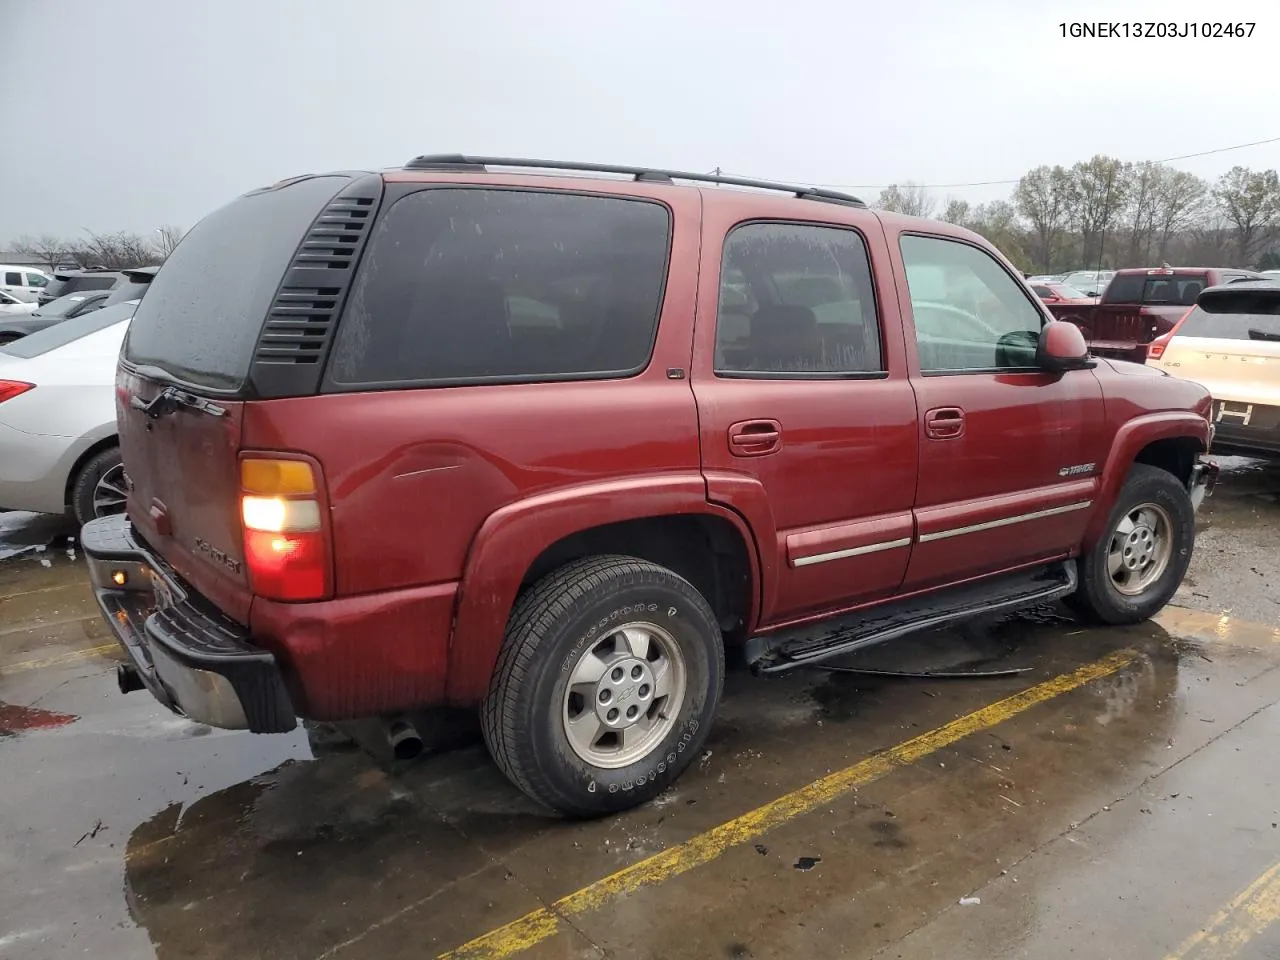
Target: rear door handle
(755, 438)
(944, 423)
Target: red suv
(469, 434)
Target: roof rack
(459, 163)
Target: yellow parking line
(72, 657)
(545, 922)
(1254, 909)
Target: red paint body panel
(438, 501)
(364, 655)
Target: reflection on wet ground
(1112, 818)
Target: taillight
(1155, 350)
(11, 388)
(286, 539)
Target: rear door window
(475, 285)
(202, 314)
(13, 279)
(796, 300)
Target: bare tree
(167, 238)
(48, 249)
(115, 251)
(1045, 197)
(1141, 213)
(1180, 202)
(1251, 203)
(1102, 188)
(911, 199)
(956, 211)
(998, 222)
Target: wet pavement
(1118, 799)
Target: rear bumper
(1204, 477)
(191, 658)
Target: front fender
(513, 537)
(1132, 436)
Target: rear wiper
(1263, 335)
(170, 399)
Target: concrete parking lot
(1118, 799)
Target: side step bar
(813, 643)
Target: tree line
(112, 251)
(1112, 214)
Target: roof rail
(459, 163)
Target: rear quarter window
(476, 285)
(200, 319)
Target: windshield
(60, 307)
(60, 334)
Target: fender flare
(1129, 440)
(513, 536)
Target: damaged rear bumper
(194, 660)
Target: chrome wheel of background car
(1140, 548)
(110, 492)
(624, 695)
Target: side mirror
(1062, 347)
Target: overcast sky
(131, 114)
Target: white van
(25, 283)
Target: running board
(813, 643)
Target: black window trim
(395, 192)
(1038, 304)
(801, 374)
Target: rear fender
(1129, 440)
(513, 537)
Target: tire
(556, 627)
(103, 466)
(1112, 598)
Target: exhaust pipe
(404, 739)
(127, 678)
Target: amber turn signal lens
(277, 478)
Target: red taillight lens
(1155, 350)
(286, 538)
(11, 388)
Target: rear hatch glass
(204, 310)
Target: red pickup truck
(1139, 305)
(552, 447)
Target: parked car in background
(1047, 278)
(78, 281)
(131, 287)
(11, 306)
(64, 308)
(1091, 283)
(1229, 342)
(25, 283)
(1141, 304)
(58, 447)
(1052, 292)
(481, 453)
